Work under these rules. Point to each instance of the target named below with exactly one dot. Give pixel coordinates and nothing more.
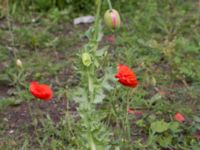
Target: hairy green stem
(95, 46)
(92, 144)
(96, 24)
(90, 87)
(91, 71)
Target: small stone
(11, 131)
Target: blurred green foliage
(158, 39)
(76, 6)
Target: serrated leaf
(102, 51)
(99, 96)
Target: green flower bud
(112, 19)
(86, 59)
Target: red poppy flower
(41, 91)
(179, 117)
(126, 77)
(135, 112)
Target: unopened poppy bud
(19, 63)
(112, 19)
(86, 59)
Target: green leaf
(174, 126)
(159, 126)
(99, 96)
(196, 118)
(165, 141)
(102, 52)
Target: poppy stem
(68, 115)
(109, 4)
(97, 19)
(31, 115)
(92, 144)
(12, 52)
(30, 111)
(90, 87)
(128, 128)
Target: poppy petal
(41, 91)
(126, 76)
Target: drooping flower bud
(112, 19)
(19, 63)
(86, 59)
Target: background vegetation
(158, 39)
